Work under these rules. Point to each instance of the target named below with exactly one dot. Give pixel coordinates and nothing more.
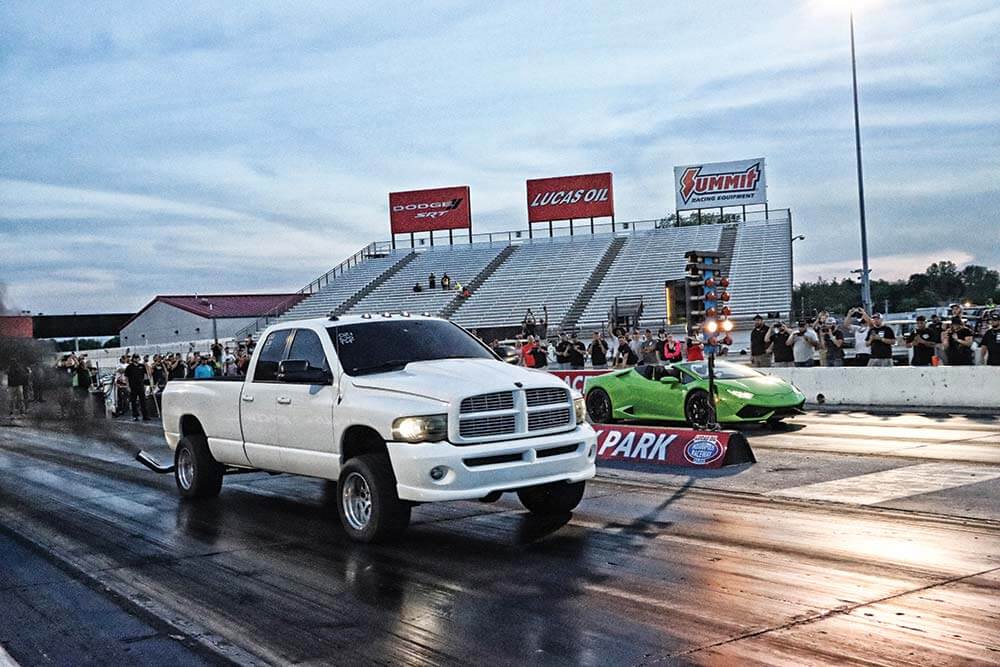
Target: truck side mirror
(299, 371)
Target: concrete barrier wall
(903, 386)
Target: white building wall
(159, 322)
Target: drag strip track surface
(638, 575)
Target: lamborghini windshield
(724, 370)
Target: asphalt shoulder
(54, 615)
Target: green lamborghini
(679, 392)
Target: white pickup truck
(398, 409)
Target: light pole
(866, 290)
(791, 271)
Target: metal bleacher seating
(461, 262)
(342, 287)
(576, 277)
(547, 272)
(762, 268)
(648, 259)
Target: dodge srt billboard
(430, 210)
(718, 184)
(569, 197)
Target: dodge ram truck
(397, 409)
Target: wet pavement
(753, 564)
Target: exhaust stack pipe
(151, 463)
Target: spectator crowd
(859, 339)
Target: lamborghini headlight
(580, 407)
(427, 428)
(739, 393)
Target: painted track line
(879, 487)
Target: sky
(170, 148)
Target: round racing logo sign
(703, 449)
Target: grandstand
(648, 259)
(761, 269)
(576, 277)
(542, 272)
(461, 262)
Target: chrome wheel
(356, 498)
(185, 468)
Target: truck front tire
(369, 508)
(197, 474)
(552, 499)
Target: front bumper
(475, 471)
(751, 412)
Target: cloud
(883, 267)
(209, 147)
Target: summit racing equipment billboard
(569, 197)
(716, 184)
(430, 210)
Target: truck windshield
(384, 346)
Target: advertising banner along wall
(716, 184)
(430, 210)
(654, 445)
(570, 197)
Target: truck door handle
(247, 398)
(284, 400)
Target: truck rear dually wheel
(557, 498)
(369, 508)
(197, 474)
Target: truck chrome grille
(484, 427)
(545, 396)
(509, 414)
(501, 400)
(539, 421)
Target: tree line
(941, 284)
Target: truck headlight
(738, 393)
(427, 428)
(580, 407)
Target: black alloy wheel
(599, 407)
(698, 409)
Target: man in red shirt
(695, 348)
(528, 352)
(670, 350)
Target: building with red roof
(179, 318)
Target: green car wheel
(599, 407)
(698, 408)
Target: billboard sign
(430, 210)
(570, 197)
(716, 184)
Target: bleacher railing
(369, 251)
(539, 234)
